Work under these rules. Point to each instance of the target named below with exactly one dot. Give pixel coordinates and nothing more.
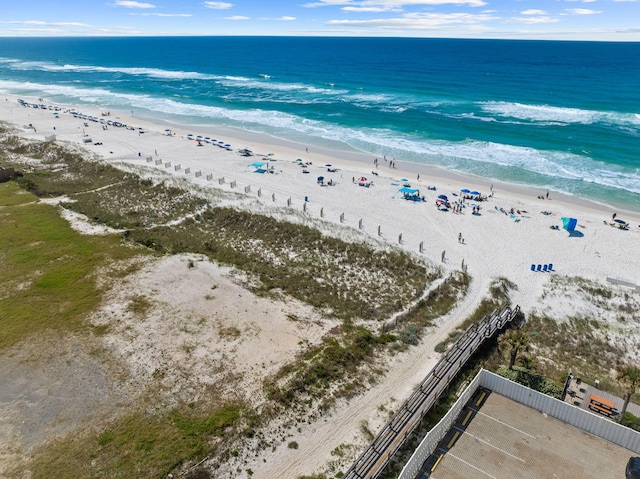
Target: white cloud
(237, 17)
(389, 5)
(533, 20)
(132, 4)
(53, 24)
(533, 12)
(371, 9)
(581, 11)
(162, 14)
(218, 5)
(286, 18)
(420, 21)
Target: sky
(601, 20)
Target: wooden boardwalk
(392, 436)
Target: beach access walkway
(393, 435)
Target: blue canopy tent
(409, 194)
(259, 167)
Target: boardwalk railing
(392, 436)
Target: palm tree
(516, 340)
(629, 377)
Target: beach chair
(550, 267)
(533, 267)
(544, 267)
(539, 268)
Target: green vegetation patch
(11, 194)
(334, 361)
(138, 445)
(571, 345)
(48, 271)
(345, 279)
(532, 380)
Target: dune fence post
(259, 192)
(421, 247)
(379, 231)
(341, 217)
(321, 212)
(289, 201)
(273, 197)
(360, 223)
(400, 238)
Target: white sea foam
(481, 157)
(547, 115)
(150, 72)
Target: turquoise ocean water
(563, 116)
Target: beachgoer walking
(459, 237)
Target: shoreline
(363, 162)
(355, 159)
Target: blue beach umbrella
(465, 190)
(475, 193)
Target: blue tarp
(569, 224)
(408, 191)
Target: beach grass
(48, 274)
(139, 444)
(345, 280)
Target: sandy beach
(511, 232)
(514, 229)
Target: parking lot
(506, 440)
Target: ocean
(559, 116)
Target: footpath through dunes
(333, 443)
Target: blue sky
(615, 20)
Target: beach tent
(258, 167)
(569, 224)
(409, 193)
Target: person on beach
(459, 237)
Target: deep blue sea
(563, 116)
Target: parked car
(633, 468)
